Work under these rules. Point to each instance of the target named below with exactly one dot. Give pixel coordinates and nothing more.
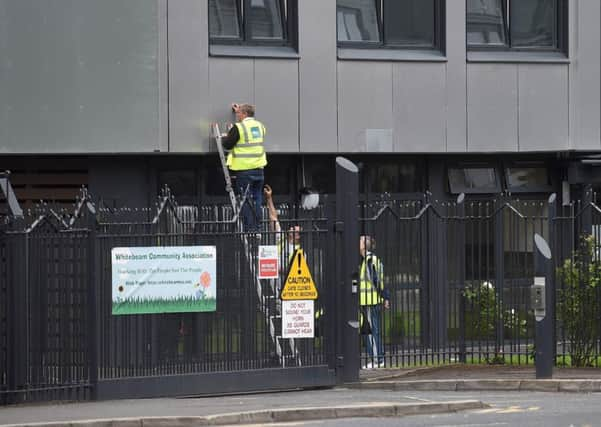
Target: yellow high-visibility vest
(249, 152)
(368, 294)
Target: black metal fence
(459, 277)
(458, 273)
(59, 339)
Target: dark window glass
(527, 178)
(182, 183)
(243, 21)
(223, 19)
(486, 23)
(392, 178)
(473, 180)
(319, 174)
(265, 20)
(392, 23)
(533, 23)
(357, 20)
(279, 173)
(514, 23)
(410, 22)
(212, 173)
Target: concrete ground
(416, 391)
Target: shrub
(578, 305)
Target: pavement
(370, 397)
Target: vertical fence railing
(459, 275)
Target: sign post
(541, 300)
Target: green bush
(578, 306)
(483, 310)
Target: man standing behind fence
(246, 160)
(371, 296)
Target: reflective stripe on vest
(248, 153)
(368, 294)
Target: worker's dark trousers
(251, 210)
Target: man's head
(366, 244)
(294, 234)
(244, 110)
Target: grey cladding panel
(492, 107)
(419, 98)
(364, 107)
(317, 76)
(276, 99)
(543, 107)
(585, 73)
(79, 76)
(230, 80)
(189, 76)
(455, 81)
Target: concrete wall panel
(419, 104)
(543, 107)
(364, 107)
(492, 100)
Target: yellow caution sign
(299, 283)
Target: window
(256, 22)
(182, 184)
(390, 23)
(527, 179)
(474, 180)
(517, 24)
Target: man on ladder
(246, 160)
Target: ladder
(271, 312)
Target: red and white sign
(298, 319)
(268, 262)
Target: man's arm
(274, 222)
(229, 141)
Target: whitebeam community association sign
(174, 279)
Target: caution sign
(299, 283)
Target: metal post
(460, 243)
(499, 254)
(541, 291)
(18, 316)
(347, 227)
(92, 304)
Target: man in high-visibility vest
(372, 295)
(246, 160)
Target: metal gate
(60, 339)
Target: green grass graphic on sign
(178, 305)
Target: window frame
(532, 188)
(438, 36)
(288, 17)
(561, 26)
(462, 166)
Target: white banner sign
(298, 319)
(172, 279)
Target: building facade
(445, 96)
